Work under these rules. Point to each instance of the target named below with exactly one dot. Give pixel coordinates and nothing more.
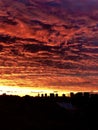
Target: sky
(48, 46)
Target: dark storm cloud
(33, 48)
(43, 25)
(7, 20)
(52, 4)
(15, 52)
(7, 38)
(1, 48)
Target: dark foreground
(49, 113)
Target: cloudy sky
(49, 45)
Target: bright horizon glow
(22, 91)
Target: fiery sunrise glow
(22, 91)
(48, 46)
